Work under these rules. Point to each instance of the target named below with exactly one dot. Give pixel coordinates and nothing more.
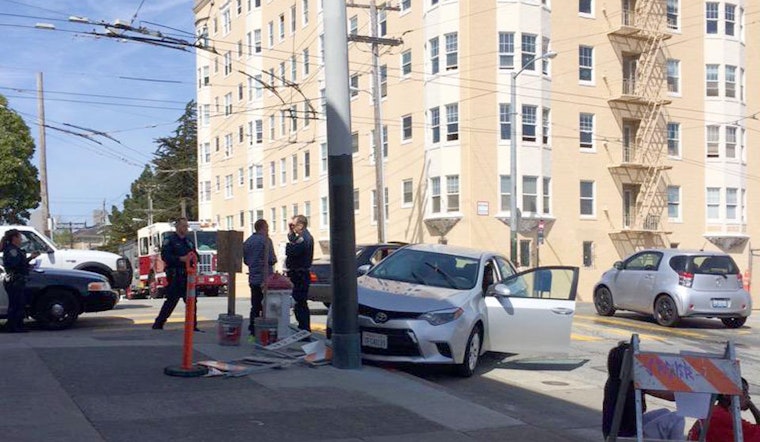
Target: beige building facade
(637, 134)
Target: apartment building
(636, 134)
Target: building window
(435, 194)
(272, 220)
(674, 139)
(588, 253)
(713, 203)
(452, 193)
(228, 186)
(271, 128)
(323, 158)
(452, 51)
(545, 60)
(259, 131)
(505, 122)
(505, 191)
(711, 16)
(434, 56)
(528, 51)
(354, 85)
(529, 123)
(294, 168)
(241, 177)
(524, 253)
(672, 14)
(674, 203)
(259, 177)
(356, 200)
(383, 80)
(284, 218)
(435, 124)
(406, 5)
(382, 20)
(674, 76)
(218, 186)
(205, 153)
(547, 197)
(406, 63)
(713, 141)
(257, 41)
(384, 140)
(324, 213)
(228, 104)
(306, 164)
(293, 69)
(452, 122)
(732, 213)
(227, 63)
(506, 50)
(587, 198)
(228, 146)
(270, 37)
(281, 27)
(586, 63)
(585, 6)
(295, 209)
(355, 142)
(240, 49)
(306, 62)
(353, 25)
(545, 125)
(226, 22)
(730, 82)
(731, 142)
(305, 12)
(241, 134)
(272, 174)
(587, 131)
(407, 192)
(530, 194)
(230, 220)
(406, 127)
(307, 209)
(730, 17)
(292, 19)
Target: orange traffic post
(188, 369)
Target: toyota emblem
(381, 317)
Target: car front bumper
(99, 301)
(416, 341)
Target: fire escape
(639, 104)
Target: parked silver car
(672, 284)
(431, 303)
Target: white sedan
(438, 304)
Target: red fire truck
(153, 281)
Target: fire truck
(152, 275)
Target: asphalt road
(567, 390)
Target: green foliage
(171, 177)
(19, 184)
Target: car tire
(56, 310)
(471, 353)
(603, 302)
(733, 322)
(666, 311)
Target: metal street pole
(345, 326)
(378, 110)
(513, 154)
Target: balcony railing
(629, 153)
(629, 86)
(629, 17)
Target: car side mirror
(363, 270)
(49, 250)
(618, 265)
(500, 290)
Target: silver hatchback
(671, 284)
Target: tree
(176, 169)
(19, 185)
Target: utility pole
(43, 157)
(150, 205)
(183, 205)
(340, 178)
(376, 41)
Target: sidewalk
(100, 385)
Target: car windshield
(705, 264)
(205, 241)
(428, 268)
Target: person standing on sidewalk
(299, 252)
(175, 251)
(259, 256)
(16, 273)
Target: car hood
(64, 273)
(385, 294)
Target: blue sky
(86, 85)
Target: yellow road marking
(318, 327)
(613, 321)
(615, 331)
(585, 338)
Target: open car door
(532, 312)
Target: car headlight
(98, 287)
(121, 264)
(441, 317)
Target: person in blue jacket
(175, 251)
(16, 266)
(299, 253)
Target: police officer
(175, 251)
(16, 273)
(299, 253)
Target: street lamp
(513, 152)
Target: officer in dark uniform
(175, 251)
(299, 253)
(16, 266)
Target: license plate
(374, 340)
(720, 303)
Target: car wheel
(665, 311)
(603, 302)
(56, 310)
(471, 353)
(733, 322)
